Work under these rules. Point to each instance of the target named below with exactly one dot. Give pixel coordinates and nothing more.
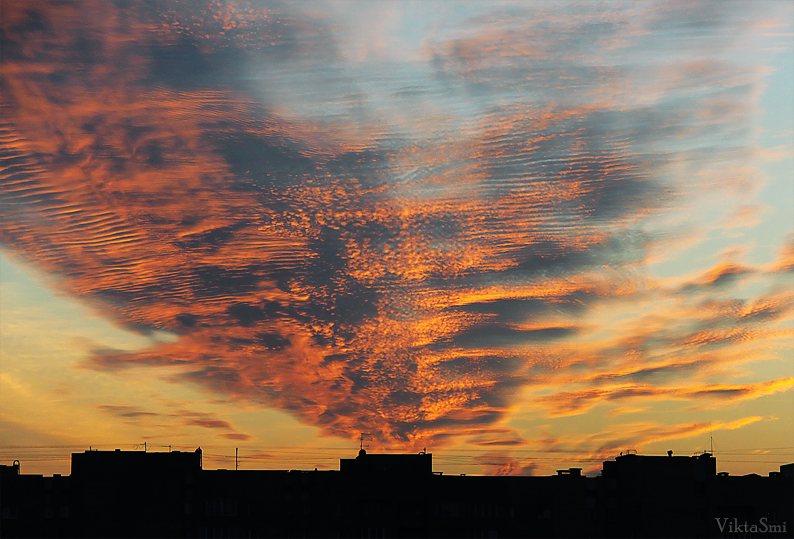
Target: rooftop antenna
(710, 450)
(711, 439)
(361, 441)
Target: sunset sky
(522, 235)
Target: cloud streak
(577, 402)
(169, 419)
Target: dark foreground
(139, 494)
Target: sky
(523, 236)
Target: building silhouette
(142, 494)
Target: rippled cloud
(399, 245)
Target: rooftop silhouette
(159, 494)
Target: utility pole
(235, 457)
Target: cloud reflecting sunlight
(499, 226)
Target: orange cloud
(577, 402)
(359, 271)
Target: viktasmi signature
(761, 527)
